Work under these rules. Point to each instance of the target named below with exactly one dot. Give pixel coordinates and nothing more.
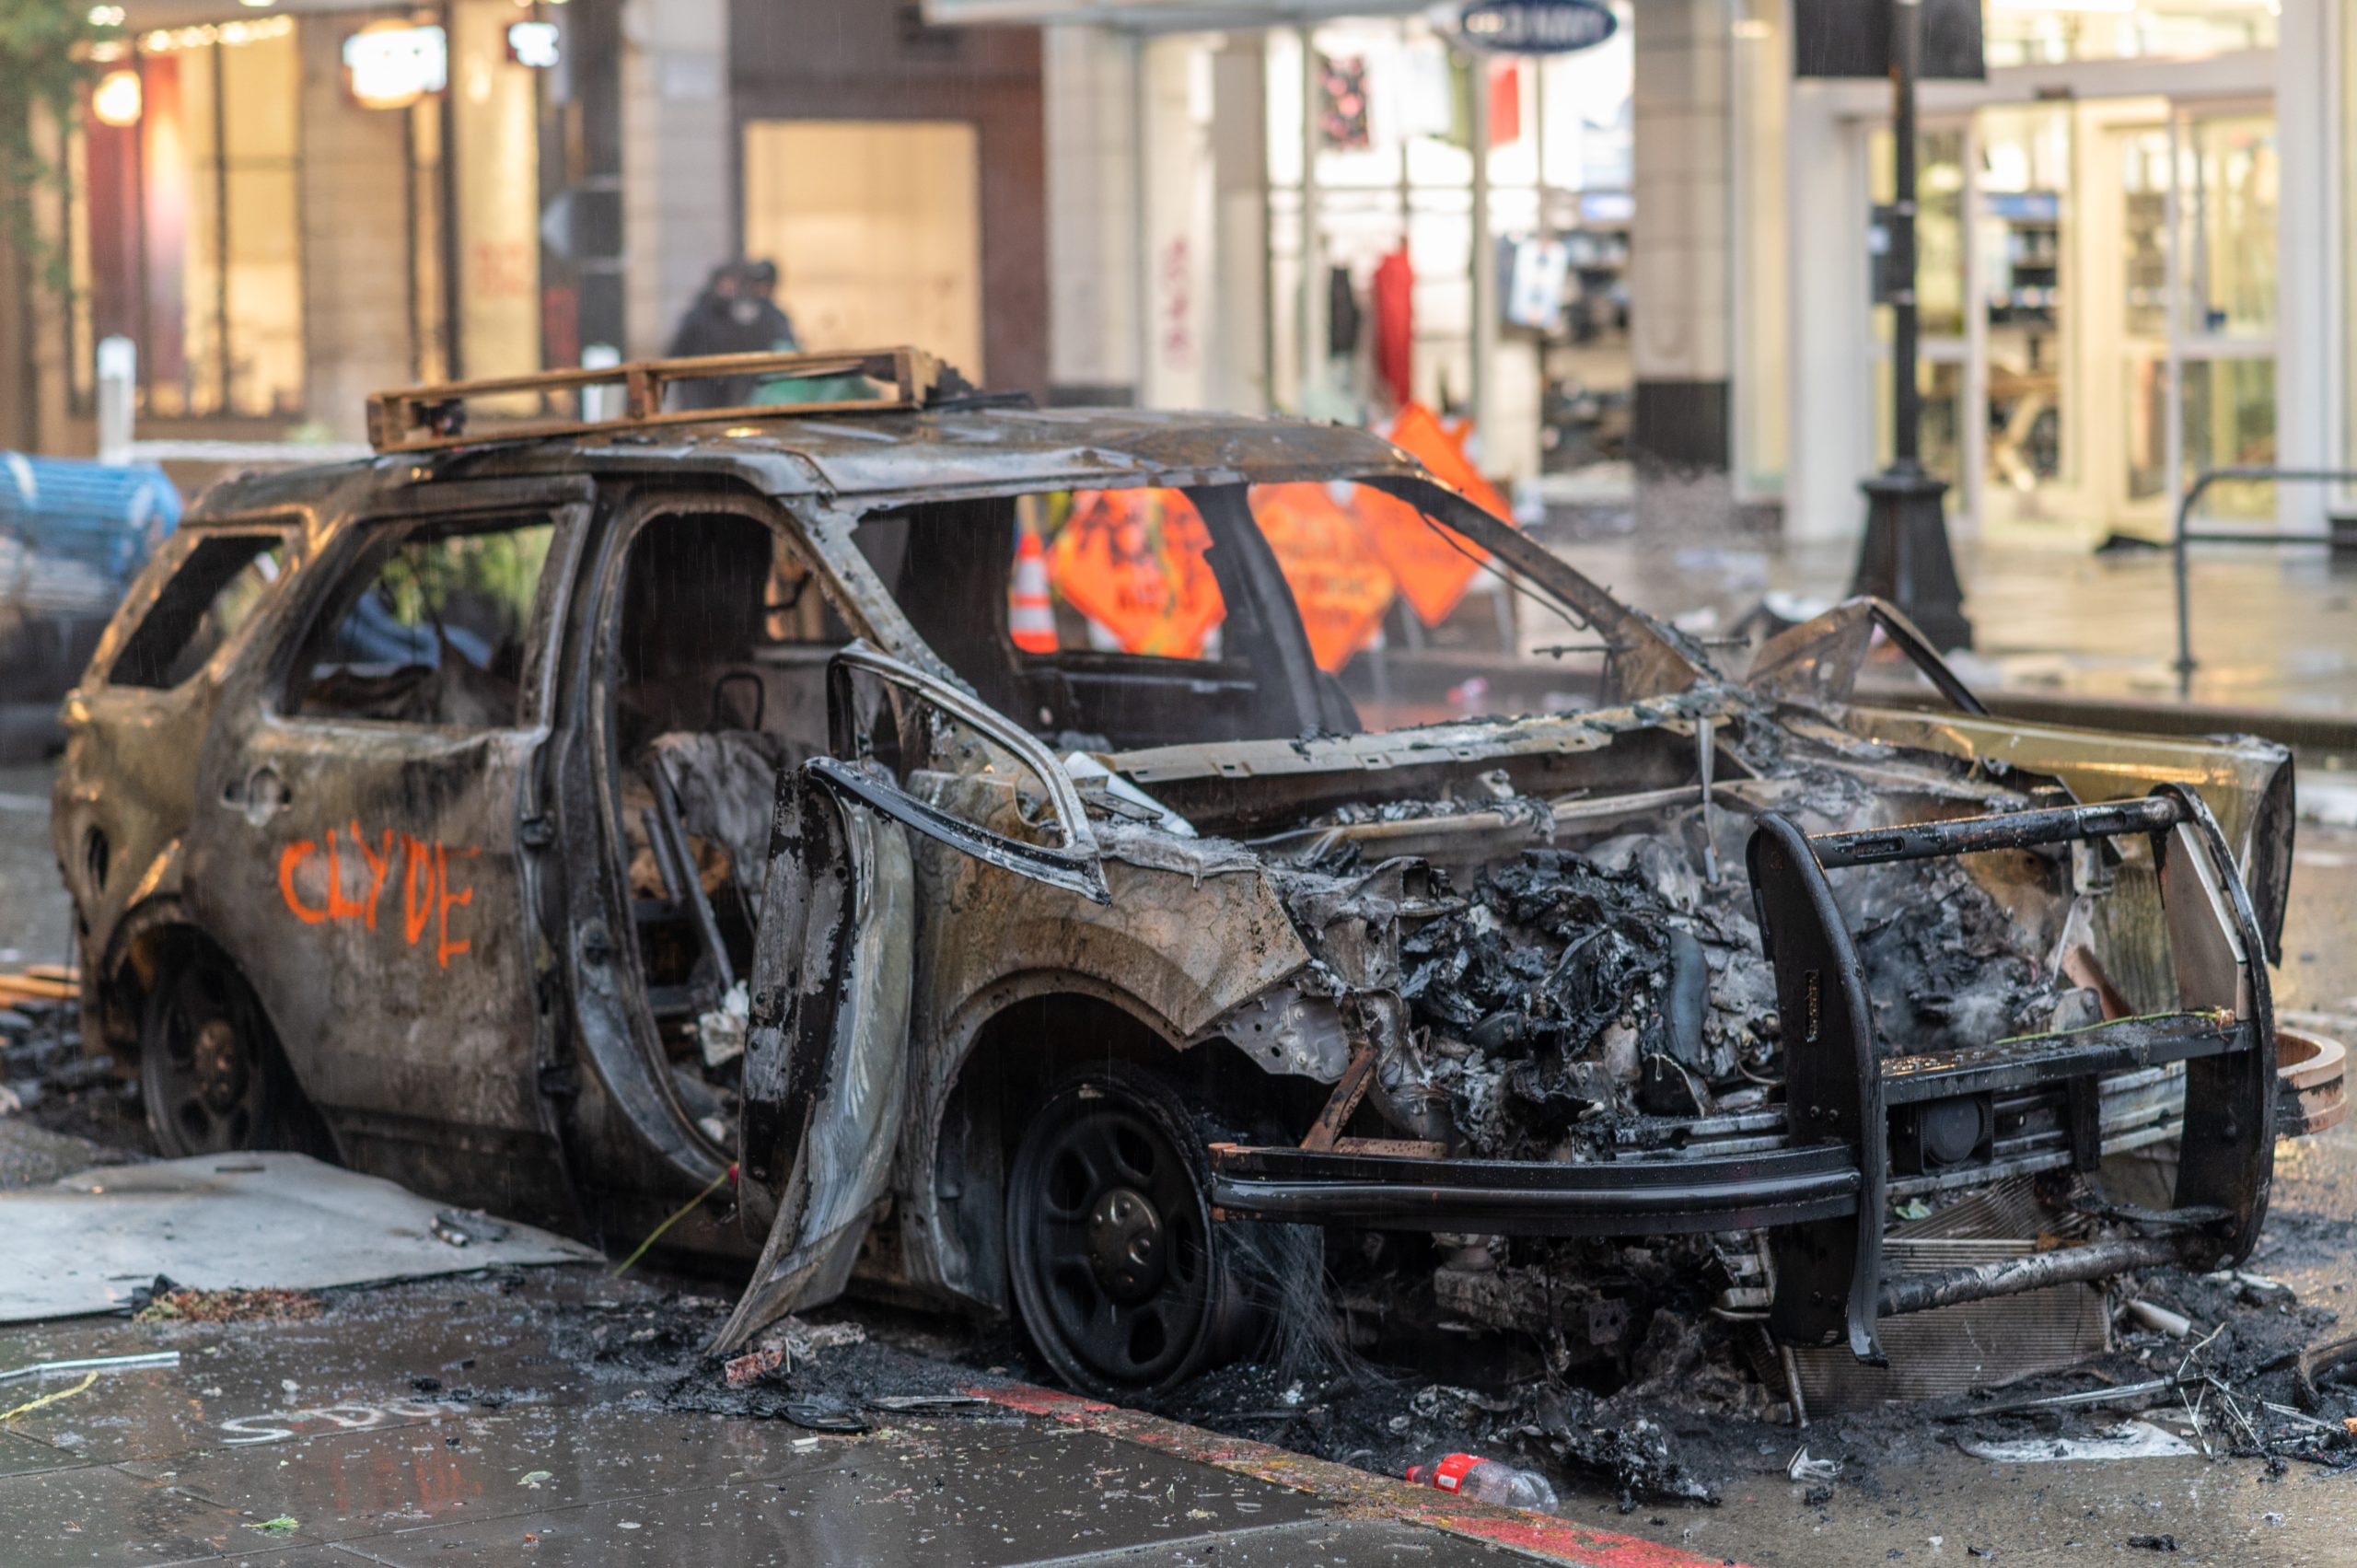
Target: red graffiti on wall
(330, 896)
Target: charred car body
(549, 822)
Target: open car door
(825, 1074)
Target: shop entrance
(2098, 285)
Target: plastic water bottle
(1469, 1475)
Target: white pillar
(679, 160)
(2311, 357)
(1830, 436)
(1089, 82)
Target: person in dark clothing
(736, 313)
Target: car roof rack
(418, 419)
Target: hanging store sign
(1537, 27)
(393, 65)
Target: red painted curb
(1556, 1540)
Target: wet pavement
(435, 1424)
(2050, 619)
(314, 1444)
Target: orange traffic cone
(1030, 618)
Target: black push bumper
(1850, 1107)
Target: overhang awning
(1164, 14)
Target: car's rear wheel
(1124, 1285)
(210, 1073)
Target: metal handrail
(2185, 536)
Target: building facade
(2134, 245)
(285, 207)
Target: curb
(1535, 1535)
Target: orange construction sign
(1433, 567)
(1340, 584)
(1134, 561)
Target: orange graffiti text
(342, 880)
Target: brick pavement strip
(1552, 1539)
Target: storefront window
(1386, 115)
(192, 247)
(2039, 32)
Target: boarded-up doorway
(876, 226)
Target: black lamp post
(1904, 556)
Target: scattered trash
(1803, 1468)
(464, 1227)
(2258, 1290)
(170, 1303)
(721, 1032)
(2084, 1398)
(754, 1365)
(282, 1525)
(802, 1341)
(2160, 1318)
(93, 1364)
(32, 1405)
(1489, 1481)
(825, 1415)
(535, 1479)
(2129, 1440)
(905, 1404)
(2152, 1543)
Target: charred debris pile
(1599, 995)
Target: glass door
(2227, 189)
(2020, 227)
(1951, 438)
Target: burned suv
(557, 818)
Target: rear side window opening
(1104, 619)
(216, 591)
(429, 627)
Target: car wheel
(1124, 1282)
(209, 1072)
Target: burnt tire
(1124, 1283)
(211, 1075)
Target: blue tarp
(73, 535)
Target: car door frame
(511, 1143)
(827, 1063)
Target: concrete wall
(873, 60)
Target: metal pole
(1904, 556)
(1905, 63)
(1312, 377)
(1485, 260)
(2185, 536)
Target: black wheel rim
(205, 1075)
(1112, 1230)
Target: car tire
(211, 1075)
(1124, 1283)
